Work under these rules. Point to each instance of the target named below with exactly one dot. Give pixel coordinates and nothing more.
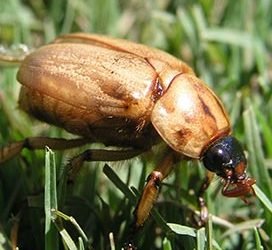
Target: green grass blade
(50, 201)
(108, 171)
(183, 230)
(263, 198)
(59, 215)
(247, 225)
(81, 244)
(166, 244)
(68, 241)
(200, 239)
(210, 233)
(112, 243)
(256, 158)
(229, 36)
(258, 240)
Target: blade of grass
(229, 36)
(108, 171)
(200, 239)
(258, 240)
(247, 225)
(81, 244)
(254, 146)
(183, 230)
(166, 244)
(72, 220)
(188, 27)
(50, 201)
(263, 198)
(112, 244)
(68, 241)
(210, 233)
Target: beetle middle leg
(33, 143)
(100, 155)
(201, 201)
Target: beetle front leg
(150, 193)
(33, 143)
(201, 201)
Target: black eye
(216, 158)
(224, 154)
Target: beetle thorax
(189, 116)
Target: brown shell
(189, 116)
(96, 87)
(105, 89)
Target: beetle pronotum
(126, 94)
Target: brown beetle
(126, 94)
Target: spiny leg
(34, 143)
(201, 201)
(150, 194)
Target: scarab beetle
(125, 94)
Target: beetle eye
(219, 156)
(216, 158)
(223, 155)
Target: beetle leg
(201, 201)
(34, 143)
(150, 193)
(99, 155)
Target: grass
(228, 43)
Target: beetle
(126, 94)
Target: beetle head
(226, 158)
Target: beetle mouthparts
(241, 187)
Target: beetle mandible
(125, 94)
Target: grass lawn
(227, 43)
